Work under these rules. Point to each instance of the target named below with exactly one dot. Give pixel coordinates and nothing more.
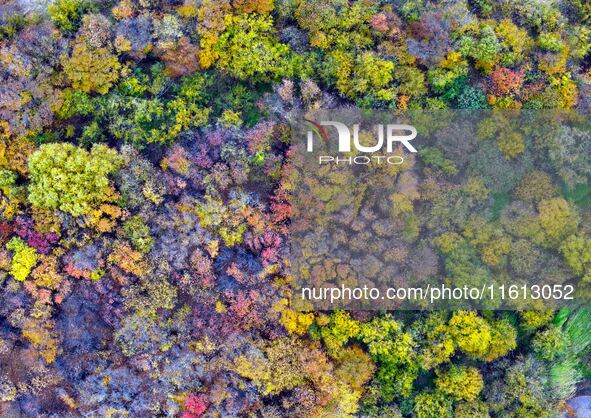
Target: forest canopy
(146, 180)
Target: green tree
(533, 320)
(75, 102)
(471, 333)
(577, 254)
(526, 392)
(474, 409)
(138, 234)
(66, 14)
(393, 350)
(490, 240)
(71, 179)
(335, 24)
(364, 75)
(558, 220)
(23, 260)
(439, 345)
(510, 143)
(549, 343)
(434, 157)
(411, 10)
(432, 405)
(535, 186)
(248, 50)
(471, 98)
(460, 382)
(340, 329)
(91, 69)
(146, 108)
(450, 70)
(484, 48)
(503, 339)
(380, 335)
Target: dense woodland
(145, 208)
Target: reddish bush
(42, 243)
(195, 406)
(506, 81)
(5, 232)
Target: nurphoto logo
(390, 134)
